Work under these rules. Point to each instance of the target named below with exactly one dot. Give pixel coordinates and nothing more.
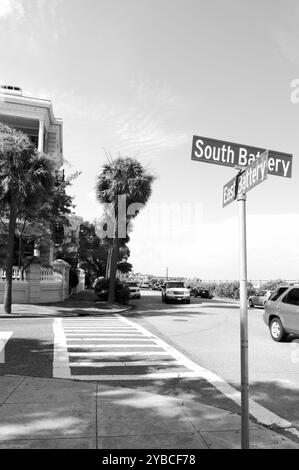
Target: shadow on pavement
(28, 357)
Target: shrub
(231, 290)
(101, 288)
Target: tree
(48, 220)
(122, 177)
(92, 252)
(26, 179)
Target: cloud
(143, 124)
(11, 8)
(31, 18)
(6, 8)
(147, 125)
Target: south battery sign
(225, 153)
(246, 180)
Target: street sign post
(243, 324)
(237, 188)
(220, 152)
(254, 165)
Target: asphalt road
(208, 332)
(29, 351)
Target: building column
(41, 135)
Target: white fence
(18, 274)
(49, 275)
(40, 285)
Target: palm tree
(26, 179)
(122, 177)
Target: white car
(175, 291)
(134, 290)
(144, 285)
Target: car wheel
(276, 330)
(250, 303)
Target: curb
(60, 315)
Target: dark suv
(282, 312)
(203, 293)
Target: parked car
(134, 289)
(175, 291)
(282, 312)
(259, 299)
(203, 293)
(144, 285)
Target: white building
(34, 117)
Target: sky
(139, 78)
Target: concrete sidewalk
(81, 304)
(41, 413)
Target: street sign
(257, 164)
(224, 153)
(246, 180)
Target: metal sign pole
(243, 324)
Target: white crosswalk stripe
(114, 348)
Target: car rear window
(277, 293)
(292, 297)
(175, 284)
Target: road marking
(124, 339)
(60, 361)
(123, 363)
(99, 335)
(63, 364)
(118, 353)
(119, 340)
(153, 376)
(95, 328)
(259, 412)
(115, 345)
(4, 337)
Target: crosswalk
(114, 348)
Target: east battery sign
(225, 153)
(254, 174)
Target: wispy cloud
(144, 123)
(33, 18)
(147, 125)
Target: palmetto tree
(122, 177)
(26, 180)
